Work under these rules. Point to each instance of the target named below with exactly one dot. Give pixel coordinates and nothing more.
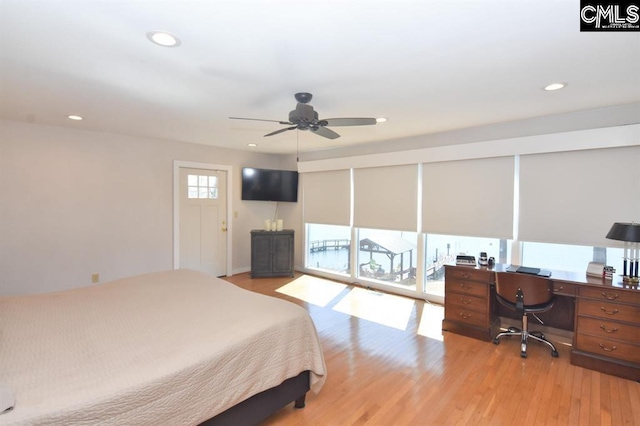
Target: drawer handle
(464, 315)
(465, 301)
(603, 309)
(466, 275)
(604, 348)
(465, 286)
(609, 330)
(560, 288)
(609, 296)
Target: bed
(175, 347)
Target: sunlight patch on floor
(313, 290)
(431, 321)
(386, 309)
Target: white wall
(75, 202)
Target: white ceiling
(428, 66)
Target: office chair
(526, 294)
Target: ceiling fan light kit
(304, 117)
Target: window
(388, 256)
(328, 248)
(202, 186)
(570, 258)
(443, 249)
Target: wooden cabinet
(468, 302)
(607, 334)
(272, 253)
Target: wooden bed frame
(255, 409)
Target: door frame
(177, 165)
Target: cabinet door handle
(603, 309)
(609, 330)
(465, 315)
(465, 286)
(609, 296)
(604, 348)
(465, 301)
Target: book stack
(608, 272)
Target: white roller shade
(386, 197)
(327, 197)
(574, 197)
(469, 197)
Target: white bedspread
(175, 348)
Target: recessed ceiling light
(381, 120)
(163, 38)
(74, 117)
(555, 86)
(252, 144)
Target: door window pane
(328, 248)
(202, 186)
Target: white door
(203, 220)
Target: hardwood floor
(379, 375)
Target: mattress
(174, 347)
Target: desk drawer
(466, 302)
(609, 311)
(610, 294)
(467, 316)
(472, 288)
(608, 348)
(564, 289)
(468, 273)
(608, 329)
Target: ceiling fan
(305, 118)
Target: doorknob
(223, 229)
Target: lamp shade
(625, 232)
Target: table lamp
(630, 234)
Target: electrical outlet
(95, 278)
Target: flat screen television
(269, 185)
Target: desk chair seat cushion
(535, 309)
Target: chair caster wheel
(523, 354)
(496, 341)
(554, 354)
(513, 330)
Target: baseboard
(241, 270)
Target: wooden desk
(604, 316)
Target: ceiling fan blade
(281, 130)
(326, 133)
(350, 121)
(259, 119)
